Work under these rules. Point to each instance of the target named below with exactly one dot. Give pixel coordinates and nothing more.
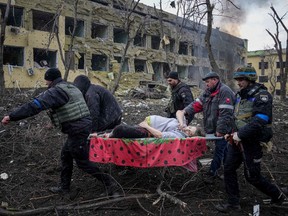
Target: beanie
(52, 74)
(173, 75)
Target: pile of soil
(30, 156)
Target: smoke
(233, 16)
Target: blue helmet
(248, 73)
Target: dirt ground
(30, 156)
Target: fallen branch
(69, 207)
(164, 195)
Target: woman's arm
(156, 133)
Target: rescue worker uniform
(253, 113)
(68, 111)
(103, 107)
(181, 97)
(217, 105)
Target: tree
(278, 47)
(2, 39)
(271, 58)
(128, 23)
(55, 32)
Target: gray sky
(251, 23)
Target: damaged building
(156, 39)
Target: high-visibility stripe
(263, 117)
(226, 106)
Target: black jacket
(180, 98)
(102, 105)
(52, 98)
(257, 129)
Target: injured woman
(155, 126)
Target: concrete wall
(229, 51)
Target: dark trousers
(77, 147)
(219, 156)
(234, 158)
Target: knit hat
(52, 74)
(173, 75)
(210, 75)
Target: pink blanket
(148, 152)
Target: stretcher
(148, 152)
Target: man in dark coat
(69, 112)
(103, 107)
(217, 105)
(180, 98)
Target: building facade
(156, 38)
(267, 66)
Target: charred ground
(30, 155)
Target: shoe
(210, 177)
(227, 207)
(279, 200)
(59, 190)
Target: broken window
(99, 62)
(15, 16)
(172, 45)
(69, 25)
(140, 40)
(183, 48)
(166, 69)
(278, 92)
(140, 65)
(263, 65)
(182, 71)
(42, 21)
(103, 2)
(194, 50)
(278, 64)
(100, 31)
(155, 42)
(157, 68)
(263, 79)
(205, 53)
(44, 58)
(125, 67)
(13, 56)
(81, 61)
(120, 36)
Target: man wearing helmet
(253, 118)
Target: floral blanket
(148, 152)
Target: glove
(235, 137)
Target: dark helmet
(211, 75)
(248, 73)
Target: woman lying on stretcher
(155, 126)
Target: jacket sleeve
(51, 98)
(225, 122)
(261, 116)
(194, 107)
(93, 103)
(186, 96)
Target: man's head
(173, 79)
(82, 83)
(211, 79)
(52, 74)
(194, 131)
(245, 76)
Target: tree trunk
(212, 60)
(2, 39)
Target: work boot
(227, 207)
(210, 177)
(279, 200)
(112, 191)
(59, 189)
